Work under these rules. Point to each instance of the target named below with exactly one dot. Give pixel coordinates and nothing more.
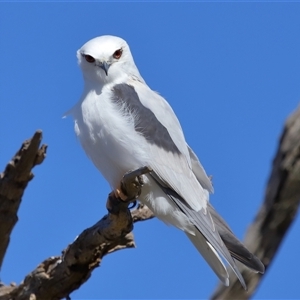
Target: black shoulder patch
(145, 121)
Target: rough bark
(278, 210)
(13, 182)
(58, 276)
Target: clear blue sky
(231, 72)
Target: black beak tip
(105, 66)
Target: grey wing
(172, 160)
(235, 247)
(205, 225)
(199, 171)
(162, 139)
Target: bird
(123, 125)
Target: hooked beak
(104, 66)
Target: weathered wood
(57, 277)
(13, 182)
(280, 206)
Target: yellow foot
(119, 194)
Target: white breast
(108, 137)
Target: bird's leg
(129, 190)
(131, 185)
(119, 194)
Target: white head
(106, 59)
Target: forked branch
(57, 277)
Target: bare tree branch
(13, 182)
(57, 277)
(280, 206)
(142, 213)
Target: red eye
(118, 54)
(89, 58)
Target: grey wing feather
(145, 121)
(235, 247)
(210, 255)
(204, 224)
(200, 172)
(169, 152)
